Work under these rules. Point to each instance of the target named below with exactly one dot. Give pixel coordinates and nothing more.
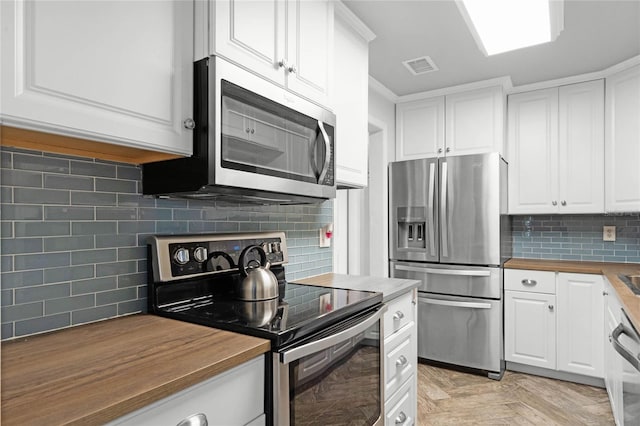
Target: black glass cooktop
(299, 311)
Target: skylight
(503, 25)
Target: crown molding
(344, 13)
(505, 82)
(580, 78)
(382, 90)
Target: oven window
(340, 385)
(262, 136)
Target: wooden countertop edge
(630, 302)
(122, 349)
(136, 402)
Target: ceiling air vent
(421, 65)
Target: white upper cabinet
(474, 122)
(470, 122)
(556, 150)
(289, 42)
(117, 72)
(581, 148)
(350, 97)
(623, 141)
(533, 139)
(420, 129)
(251, 33)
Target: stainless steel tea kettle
(258, 282)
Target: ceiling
(596, 35)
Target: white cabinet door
(622, 134)
(532, 148)
(350, 97)
(530, 328)
(580, 323)
(117, 72)
(420, 129)
(310, 48)
(474, 122)
(251, 33)
(287, 41)
(581, 148)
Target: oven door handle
(624, 352)
(319, 345)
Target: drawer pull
(529, 282)
(398, 316)
(194, 420)
(402, 417)
(401, 361)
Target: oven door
(333, 378)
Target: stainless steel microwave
(254, 142)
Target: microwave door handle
(312, 156)
(327, 152)
(624, 352)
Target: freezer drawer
(461, 330)
(472, 281)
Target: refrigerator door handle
(470, 273)
(430, 206)
(471, 305)
(444, 234)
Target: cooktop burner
(300, 310)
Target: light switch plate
(608, 233)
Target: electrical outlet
(608, 233)
(325, 240)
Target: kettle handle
(263, 258)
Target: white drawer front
(400, 410)
(400, 359)
(531, 281)
(400, 312)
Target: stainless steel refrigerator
(449, 228)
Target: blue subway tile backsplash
(576, 237)
(73, 235)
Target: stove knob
(181, 256)
(200, 254)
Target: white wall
(374, 238)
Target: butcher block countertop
(94, 373)
(630, 302)
(389, 287)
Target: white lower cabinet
(580, 324)
(235, 397)
(400, 360)
(554, 321)
(400, 408)
(530, 329)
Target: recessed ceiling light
(503, 25)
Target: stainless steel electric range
(325, 364)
